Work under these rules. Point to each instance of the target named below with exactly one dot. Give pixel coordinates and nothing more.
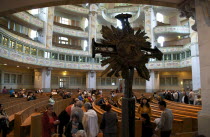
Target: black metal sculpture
(126, 51)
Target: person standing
(73, 126)
(185, 98)
(191, 97)
(166, 120)
(90, 121)
(145, 107)
(109, 123)
(147, 129)
(176, 96)
(4, 122)
(49, 122)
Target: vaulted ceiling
(12, 6)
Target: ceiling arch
(12, 6)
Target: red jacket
(47, 127)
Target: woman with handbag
(109, 123)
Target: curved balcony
(123, 9)
(30, 59)
(38, 45)
(70, 32)
(169, 64)
(176, 49)
(8, 52)
(27, 19)
(171, 31)
(72, 9)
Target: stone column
(154, 82)
(150, 23)
(203, 28)
(91, 80)
(92, 25)
(46, 34)
(195, 57)
(42, 79)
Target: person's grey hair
(81, 133)
(87, 105)
(79, 104)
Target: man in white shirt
(166, 120)
(90, 121)
(176, 96)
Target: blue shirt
(11, 91)
(80, 98)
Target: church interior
(46, 60)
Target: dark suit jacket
(110, 121)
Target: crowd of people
(80, 120)
(77, 118)
(183, 97)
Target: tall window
(6, 78)
(159, 17)
(63, 40)
(47, 55)
(161, 40)
(64, 21)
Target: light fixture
(18, 66)
(28, 67)
(5, 64)
(181, 82)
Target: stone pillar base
(46, 89)
(128, 117)
(203, 123)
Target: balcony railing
(15, 49)
(171, 31)
(28, 19)
(70, 32)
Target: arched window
(119, 24)
(159, 17)
(86, 22)
(161, 40)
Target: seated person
(51, 100)
(80, 97)
(102, 103)
(12, 92)
(4, 90)
(54, 92)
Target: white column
(150, 23)
(42, 79)
(195, 57)
(154, 82)
(196, 80)
(46, 34)
(203, 39)
(92, 25)
(91, 80)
